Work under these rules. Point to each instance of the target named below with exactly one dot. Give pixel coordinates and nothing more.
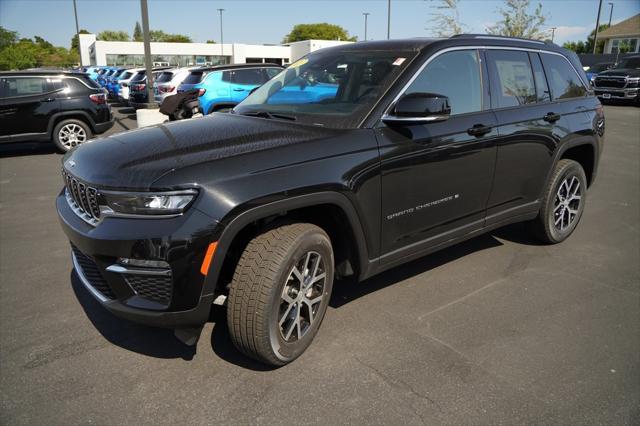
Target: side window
(542, 89)
(251, 77)
(272, 72)
(226, 76)
(455, 75)
(24, 86)
(4, 88)
(563, 80)
(511, 78)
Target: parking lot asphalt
(498, 329)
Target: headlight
(158, 203)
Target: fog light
(142, 263)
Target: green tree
(519, 21)
(161, 36)
(446, 21)
(137, 32)
(211, 42)
(322, 31)
(7, 38)
(75, 45)
(17, 57)
(578, 47)
(109, 35)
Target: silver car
(168, 81)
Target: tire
(563, 203)
(269, 319)
(70, 133)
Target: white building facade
(131, 53)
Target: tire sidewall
(571, 169)
(58, 127)
(308, 241)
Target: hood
(133, 160)
(620, 72)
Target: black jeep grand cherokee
(353, 160)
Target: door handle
(551, 117)
(237, 89)
(479, 130)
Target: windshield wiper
(271, 115)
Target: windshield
(629, 63)
(333, 89)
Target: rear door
(26, 106)
(530, 127)
(243, 81)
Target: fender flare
(238, 222)
(581, 141)
(55, 118)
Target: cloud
(569, 33)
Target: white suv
(168, 81)
(123, 83)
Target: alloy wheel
(301, 297)
(71, 135)
(567, 203)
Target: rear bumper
(146, 295)
(103, 127)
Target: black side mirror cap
(419, 108)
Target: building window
(167, 60)
(632, 44)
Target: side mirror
(419, 108)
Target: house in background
(625, 31)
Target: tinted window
(272, 72)
(164, 77)
(23, 86)
(249, 77)
(125, 76)
(542, 89)
(455, 75)
(194, 77)
(226, 76)
(140, 75)
(511, 78)
(563, 80)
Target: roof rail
(496, 37)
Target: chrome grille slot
(82, 198)
(610, 82)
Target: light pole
(388, 19)
(366, 14)
(553, 33)
(595, 34)
(610, 13)
(147, 51)
(75, 12)
(221, 39)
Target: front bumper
(606, 93)
(173, 297)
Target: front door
(26, 105)
(436, 177)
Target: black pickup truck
(351, 161)
(620, 82)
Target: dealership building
(131, 53)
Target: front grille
(612, 82)
(91, 272)
(157, 288)
(82, 198)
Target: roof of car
(41, 72)
(235, 66)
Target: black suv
(64, 107)
(620, 82)
(138, 95)
(353, 160)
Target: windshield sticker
(399, 61)
(299, 63)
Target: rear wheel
(70, 133)
(563, 203)
(280, 292)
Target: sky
(268, 21)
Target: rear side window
(563, 80)
(22, 86)
(455, 75)
(226, 76)
(140, 75)
(125, 76)
(272, 72)
(193, 78)
(511, 78)
(250, 77)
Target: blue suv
(223, 87)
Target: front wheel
(563, 203)
(280, 292)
